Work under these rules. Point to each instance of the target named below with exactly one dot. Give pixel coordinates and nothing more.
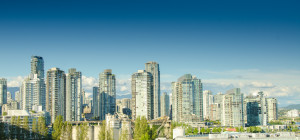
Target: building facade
(96, 100)
(251, 100)
(56, 93)
(107, 92)
(33, 87)
(207, 101)
(33, 92)
(187, 99)
(3, 91)
(293, 113)
(153, 68)
(142, 95)
(73, 95)
(165, 104)
(272, 107)
(232, 108)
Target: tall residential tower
(3, 91)
(142, 95)
(187, 102)
(165, 104)
(107, 92)
(73, 95)
(56, 93)
(153, 68)
(33, 87)
(232, 108)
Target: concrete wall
(93, 132)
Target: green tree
(242, 129)
(219, 129)
(124, 135)
(189, 131)
(42, 128)
(207, 131)
(82, 131)
(295, 129)
(4, 113)
(18, 128)
(202, 130)
(12, 128)
(67, 131)
(141, 128)
(105, 133)
(195, 132)
(258, 129)
(101, 135)
(248, 130)
(34, 128)
(214, 130)
(57, 128)
(145, 137)
(26, 127)
(237, 129)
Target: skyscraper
(107, 91)
(165, 104)
(73, 95)
(251, 100)
(232, 108)
(33, 93)
(272, 107)
(187, 102)
(142, 95)
(207, 101)
(33, 87)
(153, 68)
(252, 110)
(3, 91)
(37, 66)
(96, 100)
(56, 93)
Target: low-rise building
(293, 113)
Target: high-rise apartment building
(261, 110)
(33, 92)
(96, 100)
(153, 68)
(37, 66)
(252, 109)
(207, 101)
(272, 107)
(187, 102)
(56, 93)
(165, 104)
(73, 95)
(142, 95)
(107, 92)
(18, 96)
(232, 108)
(215, 112)
(3, 91)
(9, 98)
(33, 87)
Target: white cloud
(124, 88)
(15, 81)
(89, 82)
(88, 94)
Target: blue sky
(254, 45)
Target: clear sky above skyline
(254, 45)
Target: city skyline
(227, 44)
(90, 81)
